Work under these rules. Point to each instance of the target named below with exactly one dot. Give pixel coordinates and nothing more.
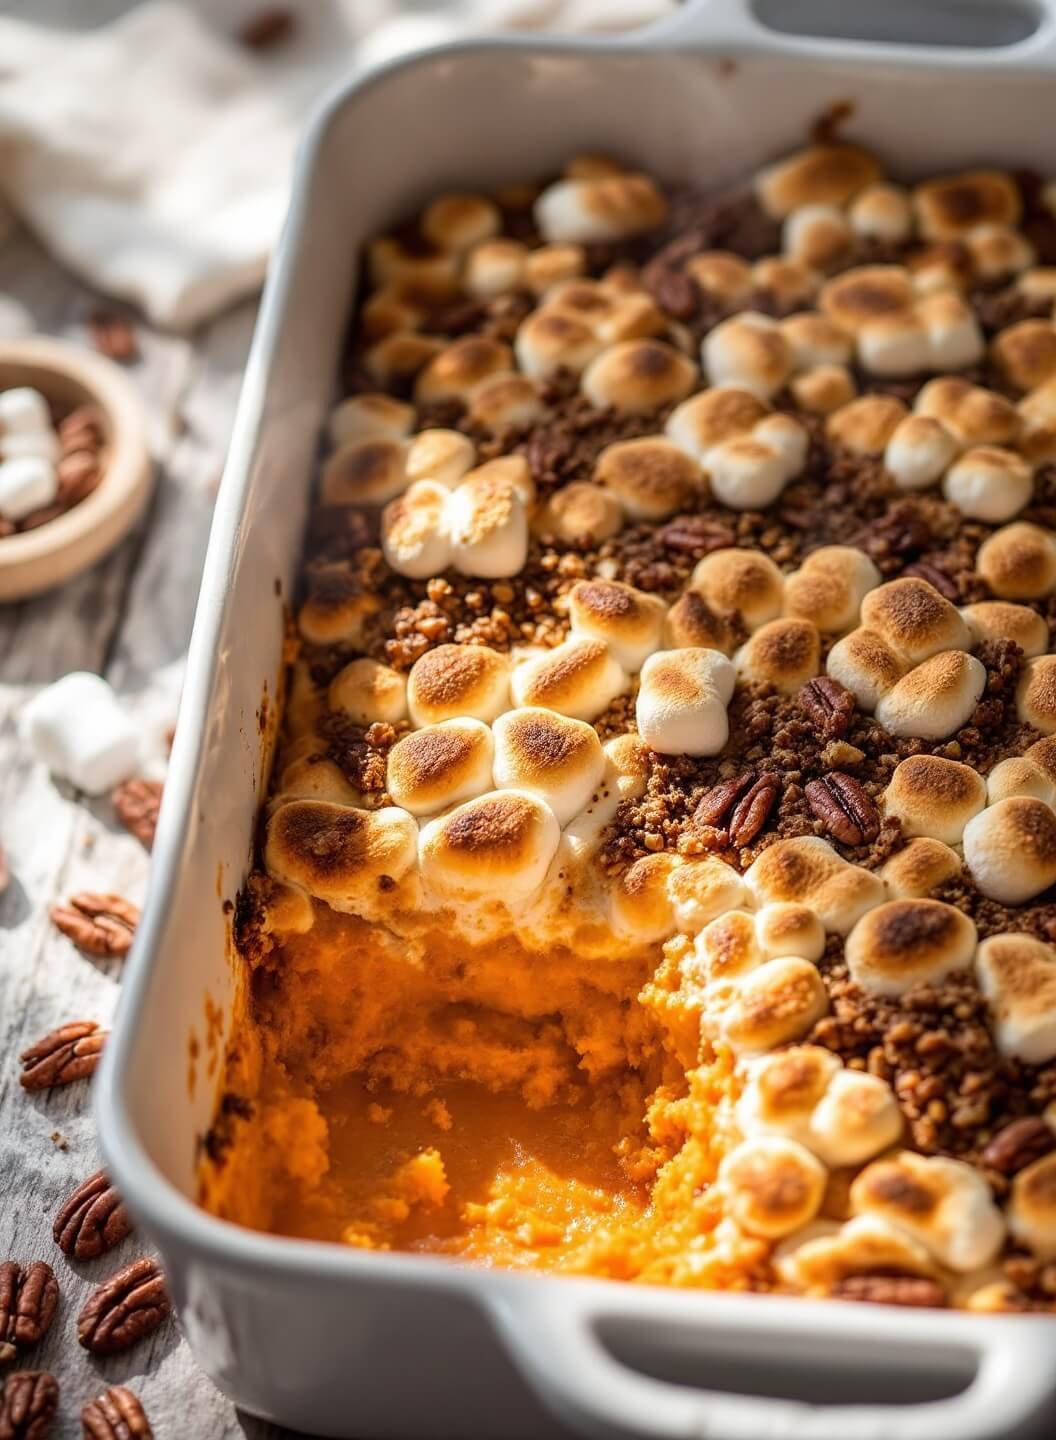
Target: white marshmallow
(415, 539)
(1019, 775)
(988, 483)
(78, 728)
(935, 698)
(41, 443)
(817, 235)
(26, 484)
(604, 208)
(550, 755)
(1017, 974)
(856, 1118)
(750, 351)
(919, 452)
(682, 699)
(488, 523)
(23, 411)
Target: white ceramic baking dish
(342, 1342)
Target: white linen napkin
(152, 156)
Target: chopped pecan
(113, 336)
(137, 803)
(268, 28)
(28, 1407)
(673, 290)
(754, 809)
(934, 576)
(695, 535)
(92, 1219)
(915, 1290)
(844, 808)
(1018, 1145)
(115, 1415)
(98, 924)
(828, 704)
(715, 804)
(124, 1309)
(29, 1297)
(69, 1053)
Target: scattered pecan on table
(113, 336)
(116, 1414)
(754, 808)
(98, 924)
(124, 1309)
(28, 1406)
(1018, 1145)
(137, 803)
(915, 1290)
(268, 28)
(91, 1220)
(828, 705)
(29, 1297)
(64, 1055)
(844, 808)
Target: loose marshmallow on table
(78, 729)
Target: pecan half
(1018, 1145)
(82, 429)
(137, 803)
(124, 1309)
(69, 1053)
(28, 1407)
(29, 1297)
(92, 1220)
(828, 705)
(715, 804)
(934, 576)
(113, 336)
(97, 924)
(268, 28)
(695, 535)
(844, 808)
(79, 474)
(915, 1290)
(754, 809)
(115, 1415)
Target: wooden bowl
(68, 376)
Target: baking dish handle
(1000, 1371)
(967, 33)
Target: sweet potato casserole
(658, 878)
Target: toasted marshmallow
(783, 653)
(550, 755)
(783, 1090)
(823, 389)
(1036, 694)
(458, 222)
(777, 1002)
(866, 425)
(914, 619)
(414, 532)
(641, 907)
(497, 847)
(819, 175)
(867, 294)
(788, 284)
(919, 452)
(581, 511)
(388, 260)
(817, 235)
(369, 417)
(1010, 848)
(816, 1260)
(745, 581)
(651, 477)
(954, 337)
(784, 929)
(866, 665)
(935, 797)
(722, 276)
(999, 252)
(989, 484)
(750, 472)
(1037, 416)
(1018, 562)
(1020, 775)
(728, 947)
(829, 587)
(1017, 974)
(587, 211)
(771, 1185)
(949, 208)
(494, 267)
(506, 402)
(943, 265)
(368, 691)
(629, 620)
(391, 311)
(367, 472)
(714, 416)
(691, 623)
(454, 681)
(1038, 282)
(682, 699)
(881, 212)
(550, 265)
(906, 943)
(343, 856)
(1032, 1208)
(748, 350)
(856, 1119)
(591, 166)
(313, 777)
(580, 678)
(551, 340)
(487, 519)
(920, 868)
(894, 345)
(808, 871)
(636, 377)
(443, 456)
(946, 1205)
(972, 414)
(461, 366)
(337, 610)
(700, 890)
(397, 359)
(935, 698)
(440, 766)
(1025, 353)
(998, 620)
(816, 340)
